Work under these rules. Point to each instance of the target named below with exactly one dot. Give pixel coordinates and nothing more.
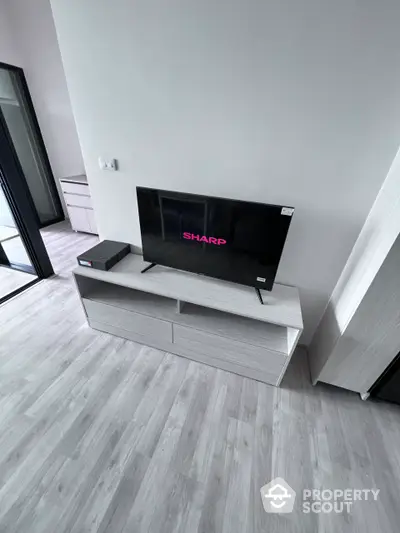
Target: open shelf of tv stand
(215, 322)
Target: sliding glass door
(23, 130)
(23, 256)
(16, 269)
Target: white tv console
(215, 322)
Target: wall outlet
(108, 164)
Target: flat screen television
(230, 240)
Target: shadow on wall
(354, 259)
(315, 263)
(329, 315)
(323, 342)
(297, 376)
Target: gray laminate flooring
(11, 280)
(99, 434)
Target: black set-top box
(104, 255)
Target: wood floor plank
(238, 490)
(78, 479)
(183, 457)
(26, 511)
(213, 512)
(157, 482)
(152, 412)
(261, 468)
(173, 507)
(117, 512)
(30, 456)
(206, 440)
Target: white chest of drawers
(76, 194)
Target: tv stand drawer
(228, 350)
(128, 320)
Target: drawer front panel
(75, 188)
(134, 322)
(228, 350)
(78, 200)
(266, 377)
(78, 218)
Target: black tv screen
(231, 240)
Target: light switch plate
(108, 164)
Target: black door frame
(19, 199)
(42, 148)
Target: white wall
(32, 45)
(14, 117)
(33, 27)
(290, 102)
(373, 245)
(8, 49)
(31, 166)
(8, 54)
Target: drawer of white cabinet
(79, 219)
(128, 320)
(75, 188)
(77, 200)
(225, 349)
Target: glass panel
(16, 269)
(23, 134)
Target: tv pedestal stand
(152, 265)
